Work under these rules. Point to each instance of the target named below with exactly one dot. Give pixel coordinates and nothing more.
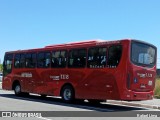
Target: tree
(158, 72)
(1, 67)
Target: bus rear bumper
(135, 96)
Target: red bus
(93, 70)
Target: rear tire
(68, 94)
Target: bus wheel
(17, 89)
(68, 93)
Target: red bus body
(127, 81)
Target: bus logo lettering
(54, 77)
(64, 76)
(144, 75)
(60, 77)
(25, 74)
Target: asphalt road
(9, 102)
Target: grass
(157, 88)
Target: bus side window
(47, 59)
(63, 58)
(17, 61)
(30, 60)
(97, 57)
(59, 59)
(77, 58)
(43, 60)
(22, 61)
(40, 58)
(114, 56)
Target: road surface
(34, 103)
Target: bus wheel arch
(67, 92)
(16, 86)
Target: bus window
(43, 60)
(114, 56)
(97, 57)
(143, 54)
(17, 61)
(59, 59)
(22, 61)
(77, 58)
(7, 65)
(30, 59)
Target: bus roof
(86, 42)
(77, 44)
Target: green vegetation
(157, 88)
(1, 67)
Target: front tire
(68, 94)
(17, 89)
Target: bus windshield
(143, 54)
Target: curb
(134, 104)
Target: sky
(26, 24)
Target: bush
(157, 88)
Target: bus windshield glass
(143, 54)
